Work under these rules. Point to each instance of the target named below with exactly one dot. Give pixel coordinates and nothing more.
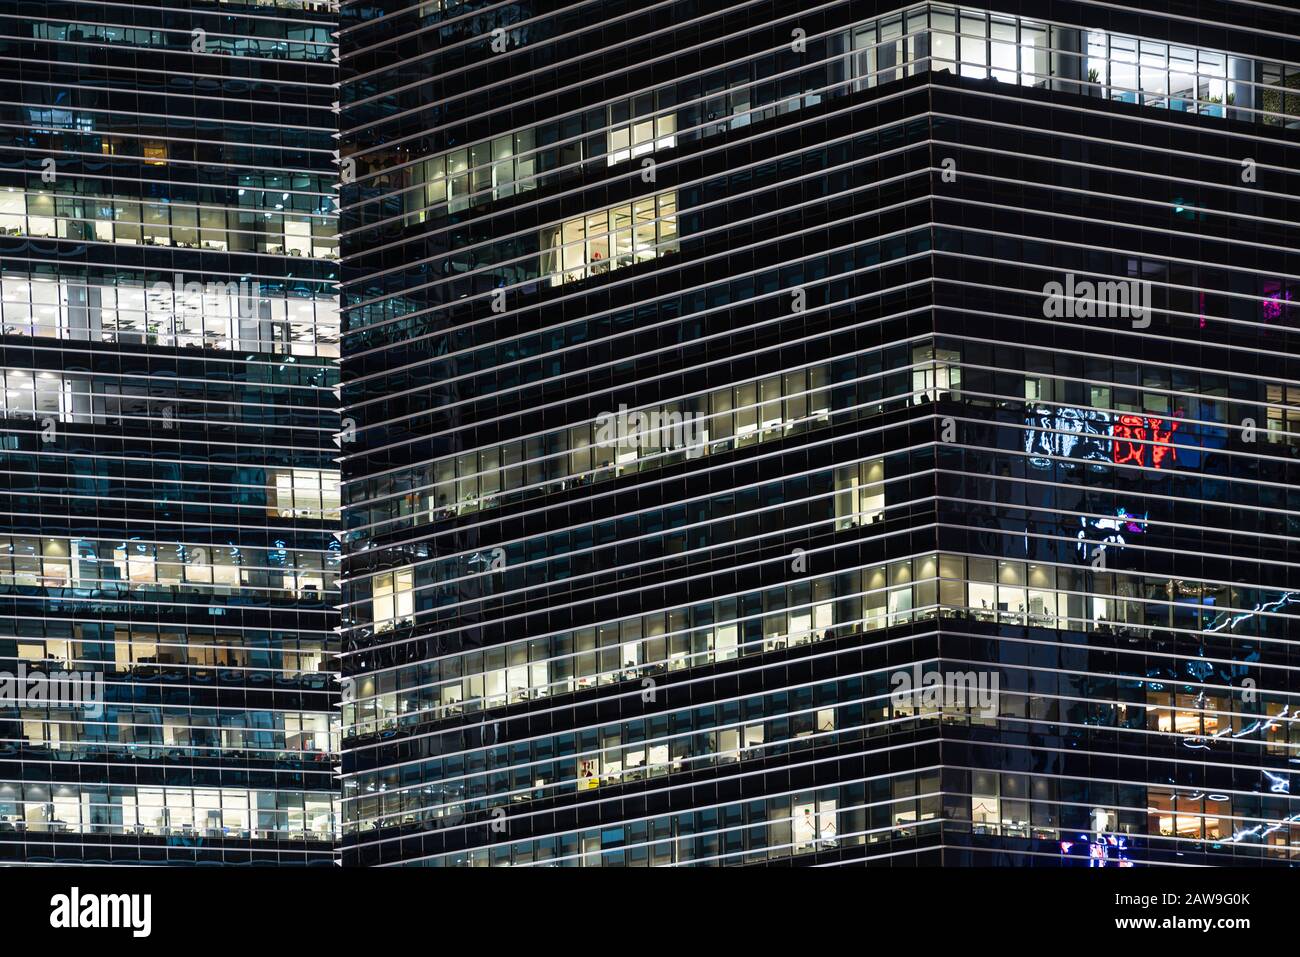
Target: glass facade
(822, 436)
(168, 563)
(816, 433)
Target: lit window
(304, 493)
(635, 134)
(610, 239)
(860, 493)
(394, 599)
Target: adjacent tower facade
(168, 261)
(820, 433)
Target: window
(307, 493)
(1280, 95)
(974, 45)
(944, 40)
(860, 494)
(986, 811)
(814, 824)
(936, 374)
(40, 214)
(394, 599)
(1002, 49)
(1182, 79)
(1283, 413)
(610, 239)
(1154, 73)
(13, 213)
(36, 395)
(635, 130)
(1035, 65)
(216, 315)
(490, 170)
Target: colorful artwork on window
(1141, 439)
(1100, 850)
(1100, 534)
(1067, 433)
(1097, 436)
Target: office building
(820, 433)
(168, 565)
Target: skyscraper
(168, 567)
(820, 433)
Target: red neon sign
(1131, 434)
